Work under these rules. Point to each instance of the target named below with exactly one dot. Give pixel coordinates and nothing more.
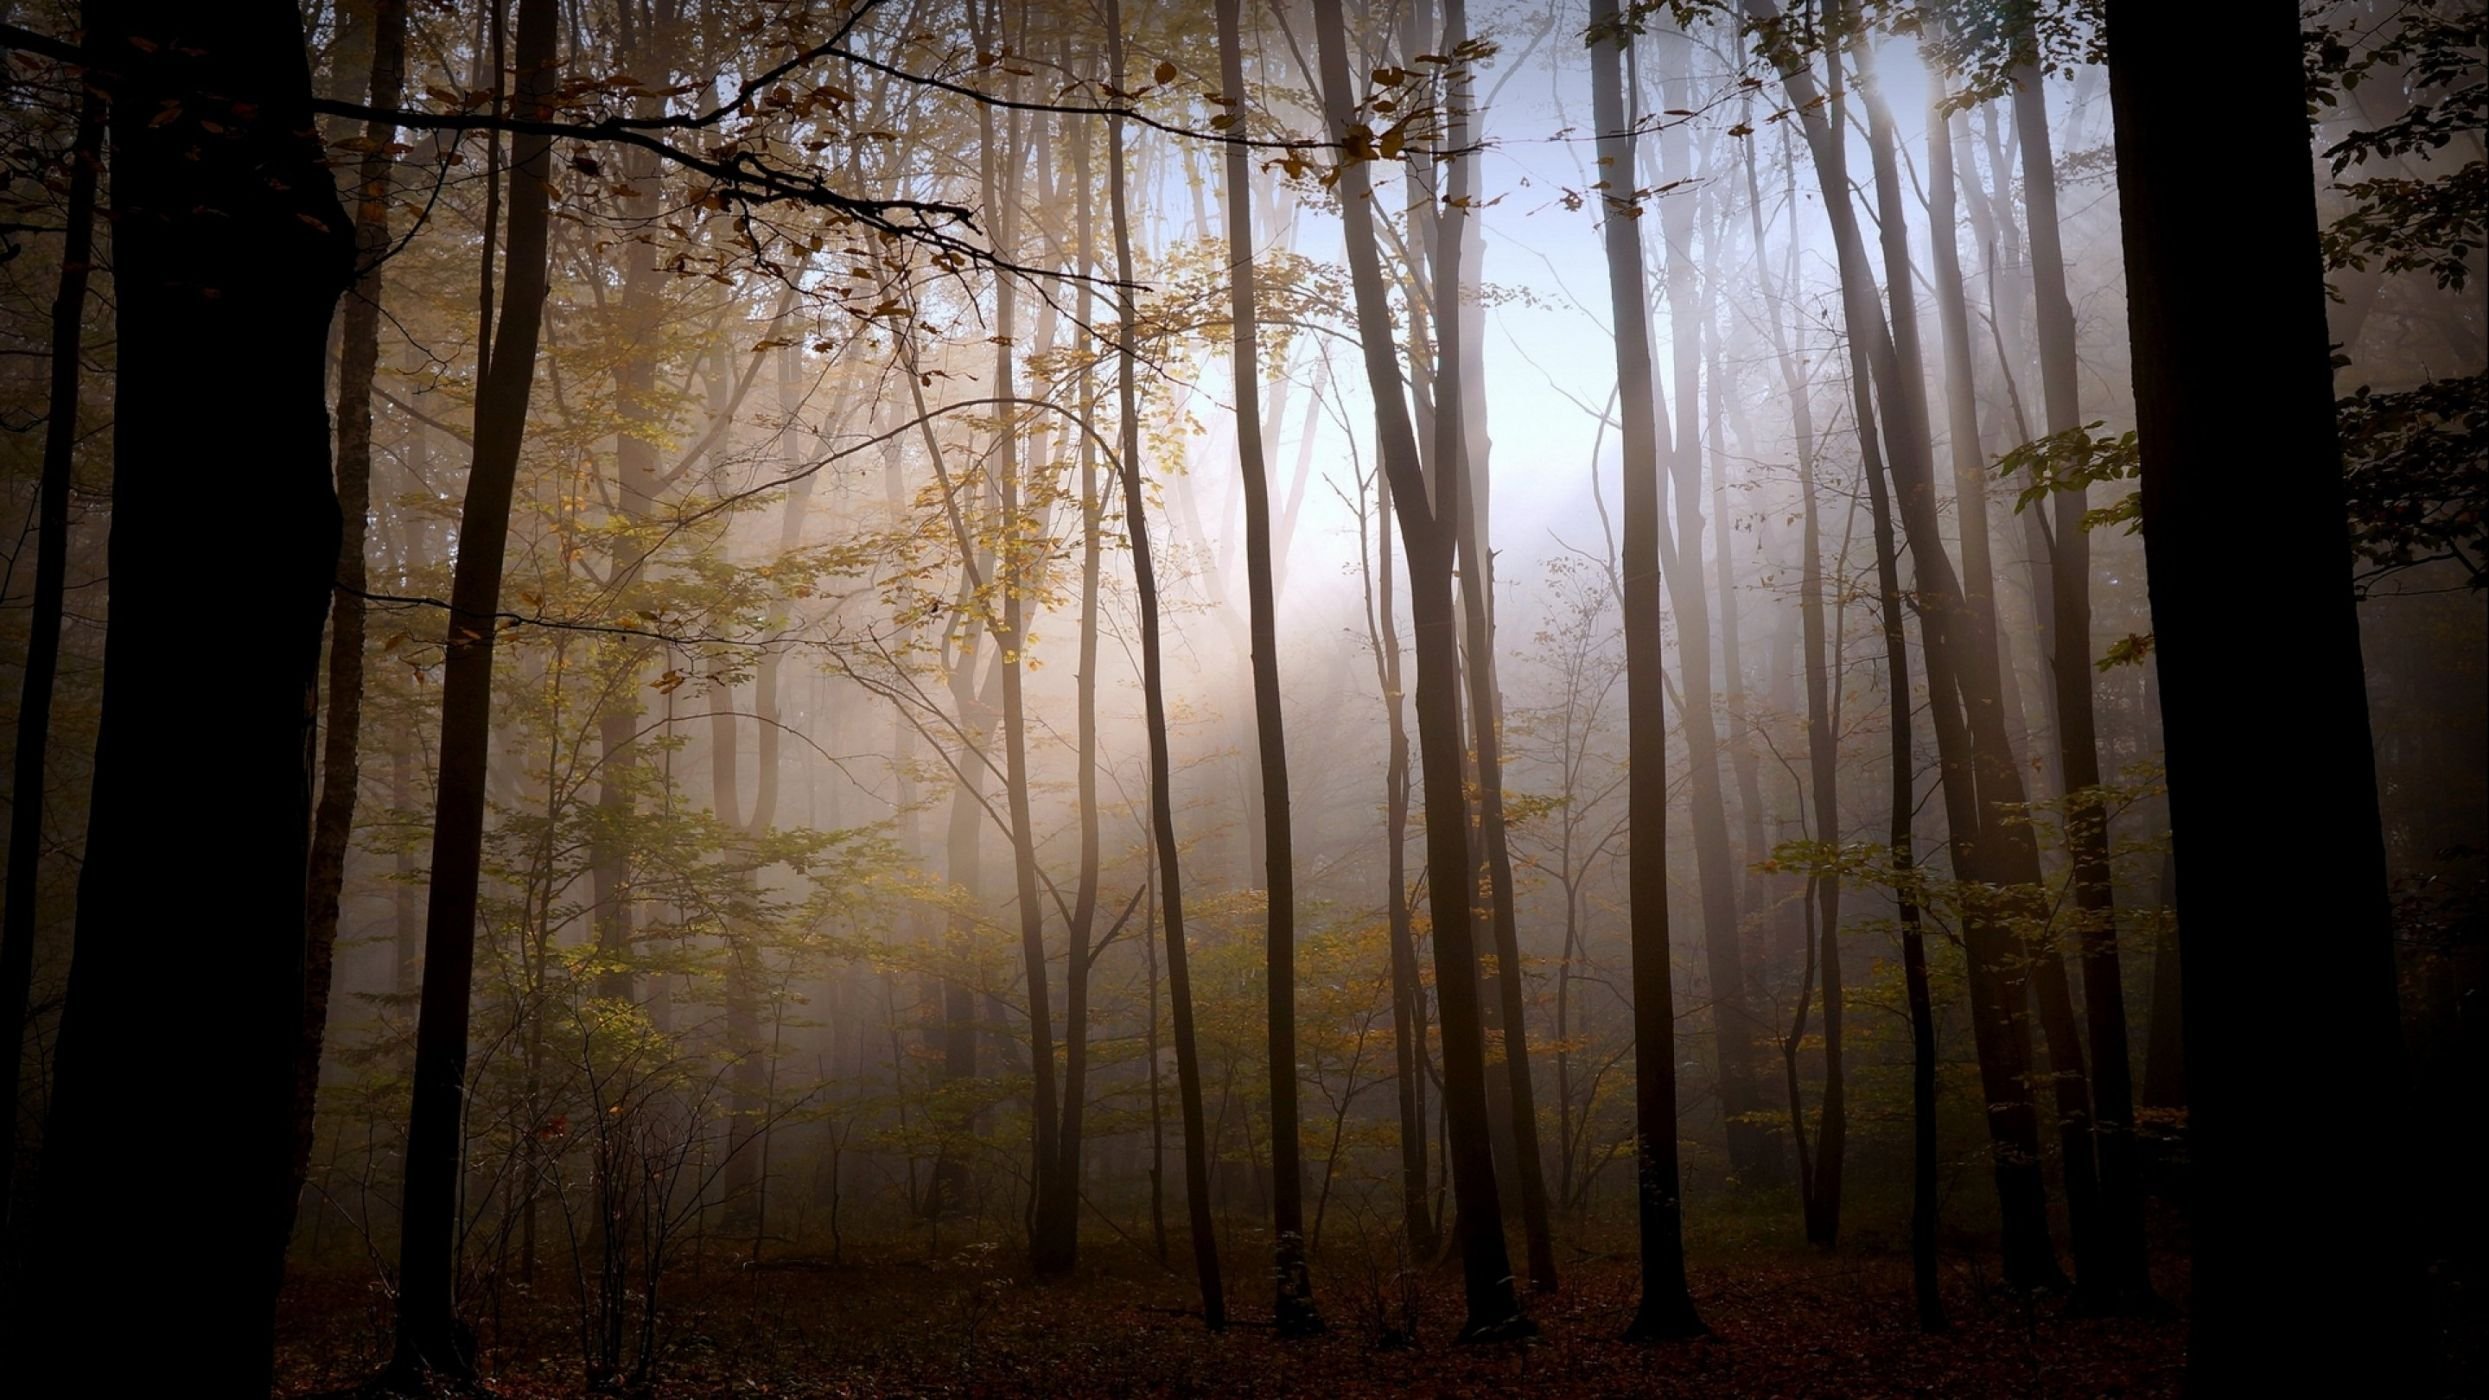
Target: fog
(746, 870)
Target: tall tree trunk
(1820, 1184)
(1001, 183)
(2226, 313)
(1427, 529)
(1753, 1154)
(27, 779)
(1408, 991)
(1154, 704)
(2006, 852)
(1901, 843)
(1980, 772)
(2115, 1276)
(1666, 1309)
(1085, 703)
(1456, 452)
(429, 1336)
(332, 821)
(640, 328)
(230, 250)
(1294, 1303)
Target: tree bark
(429, 1336)
(1666, 1310)
(1457, 451)
(1753, 1155)
(2115, 1276)
(1980, 772)
(2226, 314)
(27, 779)
(1293, 1306)
(1085, 705)
(1154, 704)
(1819, 1185)
(230, 251)
(332, 821)
(1427, 529)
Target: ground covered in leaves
(1785, 1324)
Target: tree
(1427, 521)
(1294, 1305)
(2115, 1277)
(332, 823)
(230, 251)
(1459, 450)
(1734, 1028)
(1666, 1310)
(430, 1338)
(1153, 689)
(2226, 315)
(29, 760)
(1982, 780)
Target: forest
(1244, 697)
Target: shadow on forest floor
(1785, 1325)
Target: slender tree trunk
(1294, 1304)
(2226, 313)
(27, 781)
(1666, 1310)
(332, 821)
(1454, 454)
(1903, 782)
(1753, 1155)
(1154, 703)
(230, 250)
(1408, 991)
(1051, 1207)
(1819, 1188)
(1980, 772)
(429, 1335)
(2115, 1276)
(1428, 530)
(1085, 703)
(1962, 657)
(1150, 1052)
(640, 328)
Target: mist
(723, 696)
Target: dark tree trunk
(1666, 1310)
(1455, 453)
(230, 250)
(2164, 1053)
(1903, 782)
(332, 822)
(1427, 529)
(1980, 772)
(34, 709)
(1065, 1224)
(1294, 1304)
(430, 1337)
(2226, 312)
(1154, 703)
(2114, 1273)
(1408, 991)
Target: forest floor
(1785, 1324)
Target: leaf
(2128, 650)
(1164, 73)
